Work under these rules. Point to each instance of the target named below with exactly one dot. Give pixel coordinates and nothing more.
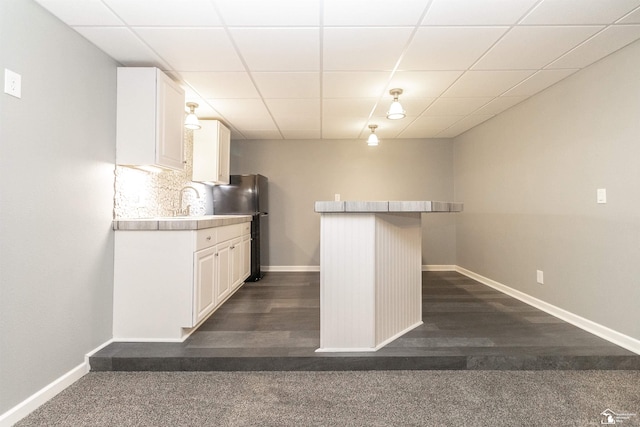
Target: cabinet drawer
(229, 232)
(246, 228)
(206, 238)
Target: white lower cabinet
(168, 282)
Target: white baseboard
(293, 268)
(436, 267)
(48, 392)
(315, 268)
(594, 328)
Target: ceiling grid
(322, 69)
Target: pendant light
(372, 141)
(396, 111)
(191, 121)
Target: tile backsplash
(140, 194)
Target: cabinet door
(236, 262)
(204, 298)
(170, 128)
(223, 276)
(246, 256)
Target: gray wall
(528, 179)
(57, 149)
(301, 172)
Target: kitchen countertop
(178, 223)
(387, 206)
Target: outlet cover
(601, 195)
(12, 83)
(540, 277)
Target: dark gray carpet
(370, 398)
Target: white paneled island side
(370, 271)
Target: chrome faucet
(187, 210)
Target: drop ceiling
(322, 69)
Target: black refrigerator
(246, 195)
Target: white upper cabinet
(150, 115)
(211, 152)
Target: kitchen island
(370, 271)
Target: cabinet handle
(216, 254)
(208, 237)
(232, 247)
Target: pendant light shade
(373, 138)
(396, 111)
(191, 121)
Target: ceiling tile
(354, 85)
(176, 13)
(336, 127)
(301, 134)
(539, 81)
(279, 49)
(631, 18)
(463, 125)
(486, 83)
(498, 105)
(455, 106)
(422, 84)
(363, 48)
(192, 49)
(449, 48)
(533, 47)
(288, 85)
(348, 107)
(476, 12)
(599, 46)
(373, 12)
(245, 114)
(411, 133)
(579, 12)
(428, 126)
(228, 85)
(87, 12)
(272, 13)
(262, 134)
(123, 45)
(295, 114)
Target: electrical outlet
(540, 277)
(12, 83)
(336, 197)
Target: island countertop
(355, 206)
(178, 223)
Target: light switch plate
(540, 277)
(12, 83)
(602, 195)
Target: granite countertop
(178, 223)
(390, 206)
